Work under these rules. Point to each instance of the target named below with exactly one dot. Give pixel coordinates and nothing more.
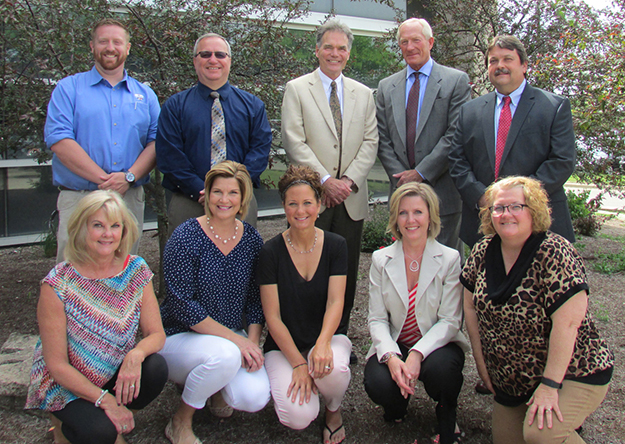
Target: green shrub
(584, 212)
(374, 234)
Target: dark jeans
(441, 374)
(84, 423)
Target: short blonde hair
(230, 169)
(115, 209)
(425, 192)
(536, 199)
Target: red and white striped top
(410, 332)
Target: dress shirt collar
(95, 77)
(515, 95)
(205, 91)
(425, 69)
(327, 83)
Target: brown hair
(300, 175)
(230, 169)
(109, 22)
(508, 42)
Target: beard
(109, 63)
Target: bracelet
(99, 400)
(387, 357)
(299, 365)
(551, 383)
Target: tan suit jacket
(438, 304)
(309, 135)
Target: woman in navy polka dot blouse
(209, 265)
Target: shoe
(481, 389)
(220, 412)
(353, 359)
(332, 432)
(169, 433)
(458, 437)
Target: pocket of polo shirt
(136, 115)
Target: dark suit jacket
(540, 144)
(447, 90)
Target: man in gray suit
(417, 109)
(532, 137)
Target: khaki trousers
(576, 400)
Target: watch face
(130, 177)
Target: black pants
(337, 220)
(441, 374)
(84, 423)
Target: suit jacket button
(336, 146)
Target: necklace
(414, 265)
(225, 241)
(288, 239)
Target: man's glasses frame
(513, 209)
(208, 54)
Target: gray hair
(335, 25)
(426, 29)
(207, 35)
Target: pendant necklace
(225, 241)
(288, 239)
(414, 265)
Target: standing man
(328, 124)
(515, 130)
(101, 126)
(417, 110)
(191, 137)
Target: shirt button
(114, 124)
(114, 163)
(114, 106)
(116, 144)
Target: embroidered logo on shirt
(139, 97)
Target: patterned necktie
(412, 111)
(218, 131)
(335, 107)
(505, 118)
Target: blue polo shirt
(112, 124)
(183, 141)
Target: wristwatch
(130, 177)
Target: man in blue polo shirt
(101, 126)
(185, 146)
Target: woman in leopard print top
(534, 342)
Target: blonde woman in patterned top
(88, 371)
(415, 314)
(526, 306)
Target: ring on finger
(124, 427)
(132, 387)
(328, 367)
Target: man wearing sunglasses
(191, 139)
(101, 126)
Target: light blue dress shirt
(112, 124)
(424, 75)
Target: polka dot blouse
(202, 282)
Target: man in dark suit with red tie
(516, 130)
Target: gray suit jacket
(446, 91)
(540, 144)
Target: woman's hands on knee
(542, 405)
(128, 383)
(120, 416)
(401, 375)
(301, 382)
(252, 358)
(321, 360)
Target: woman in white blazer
(415, 313)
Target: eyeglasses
(513, 209)
(208, 54)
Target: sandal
(332, 432)
(458, 437)
(220, 412)
(169, 433)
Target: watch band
(551, 383)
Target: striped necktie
(218, 131)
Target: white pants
(67, 202)
(332, 387)
(206, 364)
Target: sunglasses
(208, 54)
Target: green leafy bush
(584, 212)
(374, 234)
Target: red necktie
(505, 118)
(412, 111)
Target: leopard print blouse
(515, 335)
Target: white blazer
(438, 304)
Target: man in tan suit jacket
(310, 137)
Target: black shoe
(353, 359)
(481, 389)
